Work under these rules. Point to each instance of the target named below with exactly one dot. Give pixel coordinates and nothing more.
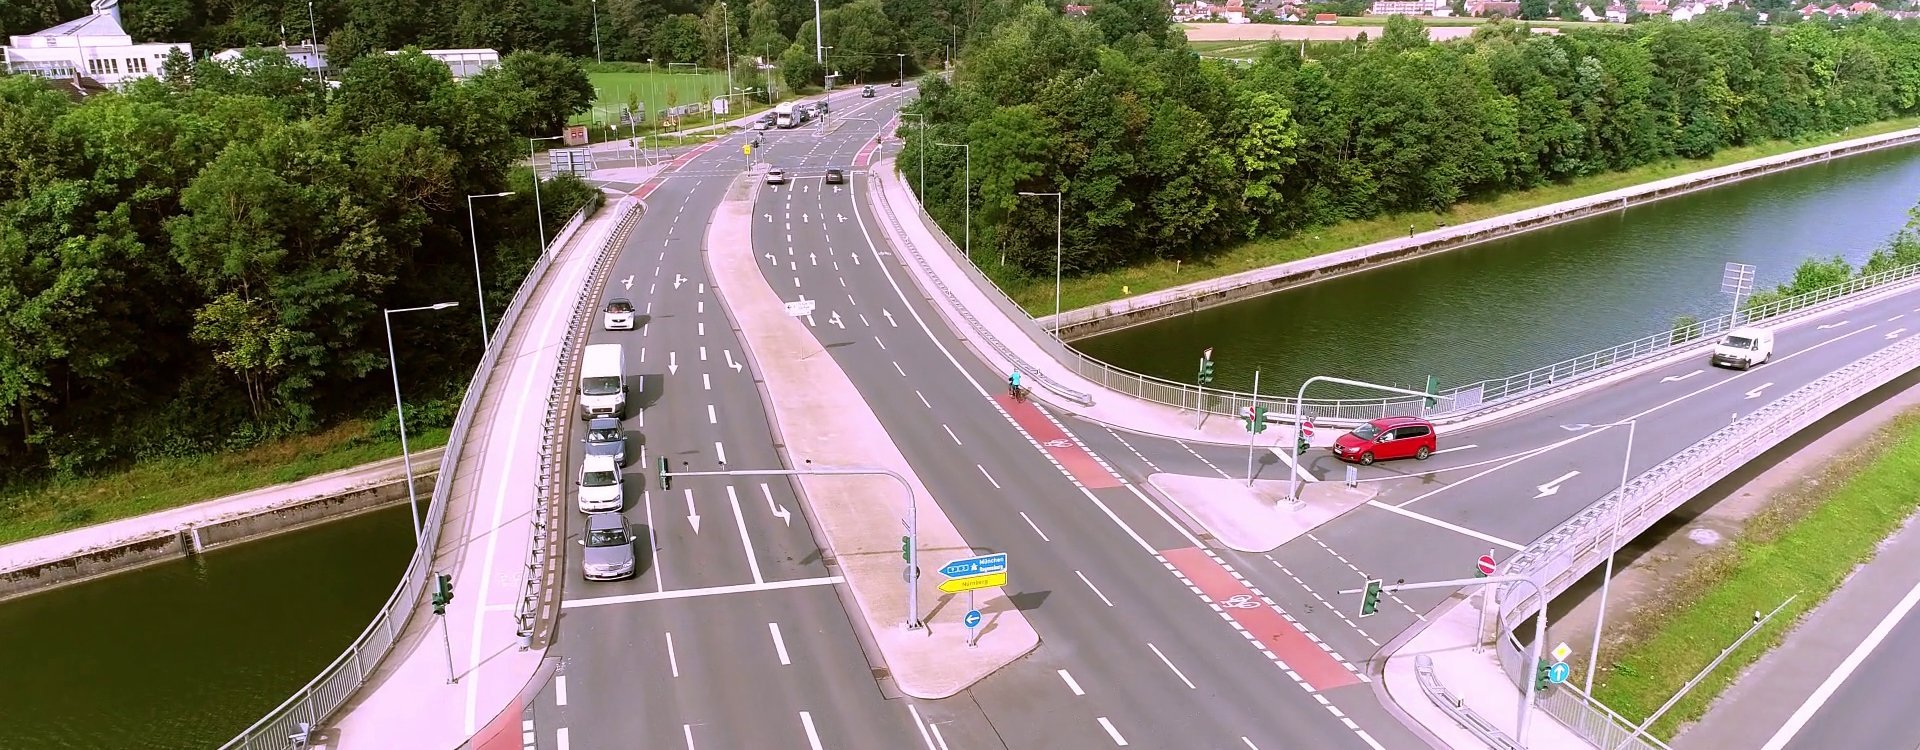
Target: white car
(776, 176)
(619, 314)
(600, 485)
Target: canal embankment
(1187, 298)
(35, 565)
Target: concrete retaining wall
(1167, 303)
(169, 545)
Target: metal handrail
(335, 684)
(1455, 708)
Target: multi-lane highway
(734, 635)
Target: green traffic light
(1370, 601)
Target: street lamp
(539, 210)
(313, 45)
(1058, 212)
(819, 52)
(923, 152)
(596, 32)
(903, 66)
(393, 364)
(1613, 547)
(968, 197)
(479, 290)
(726, 36)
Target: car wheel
(1366, 459)
(1423, 453)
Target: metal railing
(1454, 405)
(543, 546)
(1561, 556)
(314, 702)
(1455, 708)
(1592, 720)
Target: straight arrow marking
(693, 514)
(673, 362)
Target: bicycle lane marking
(1076, 460)
(646, 188)
(1262, 624)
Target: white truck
(1744, 347)
(784, 117)
(603, 378)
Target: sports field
(658, 90)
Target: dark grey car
(604, 438)
(609, 548)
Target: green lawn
(1036, 294)
(1805, 543)
(32, 510)
(656, 91)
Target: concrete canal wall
(1146, 308)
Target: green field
(657, 90)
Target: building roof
(102, 21)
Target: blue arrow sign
(1558, 672)
(972, 620)
(969, 567)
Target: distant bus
(784, 117)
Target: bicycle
(1018, 393)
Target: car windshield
(600, 386)
(600, 478)
(613, 537)
(1366, 431)
(619, 306)
(1738, 342)
(607, 435)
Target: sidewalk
(30, 552)
(408, 702)
(1476, 680)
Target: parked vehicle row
(600, 491)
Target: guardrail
(1457, 709)
(335, 684)
(1454, 405)
(544, 547)
(1561, 556)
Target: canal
(1530, 300)
(188, 653)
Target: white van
(1744, 347)
(603, 379)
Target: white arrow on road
(843, 218)
(770, 259)
(1575, 427)
(1755, 393)
(730, 362)
(673, 362)
(1895, 333)
(769, 216)
(1678, 378)
(836, 320)
(856, 258)
(815, 257)
(889, 314)
(803, 218)
(628, 281)
(785, 516)
(1553, 487)
(1833, 325)
(693, 515)
(678, 280)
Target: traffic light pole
(913, 516)
(1254, 419)
(1300, 415)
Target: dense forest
(865, 34)
(1162, 154)
(201, 262)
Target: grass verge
(1036, 294)
(1806, 542)
(37, 509)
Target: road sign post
(972, 621)
(970, 574)
(442, 596)
(1484, 567)
(1256, 423)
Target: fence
(335, 684)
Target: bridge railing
(1454, 405)
(314, 702)
(1563, 555)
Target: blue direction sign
(1558, 672)
(975, 566)
(972, 619)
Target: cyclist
(1013, 387)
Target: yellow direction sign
(957, 585)
(747, 149)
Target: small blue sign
(1557, 673)
(972, 620)
(975, 566)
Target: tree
(538, 91)
(1119, 19)
(247, 341)
(718, 31)
(863, 40)
(678, 39)
(797, 67)
(1534, 10)
(763, 31)
(1567, 9)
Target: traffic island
(1261, 517)
(822, 422)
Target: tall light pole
(596, 32)
(819, 42)
(1613, 548)
(968, 194)
(539, 210)
(313, 45)
(1058, 212)
(923, 152)
(406, 458)
(726, 36)
(479, 290)
(903, 66)
(826, 74)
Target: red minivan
(1389, 437)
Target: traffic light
(1259, 419)
(442, 592)
(1542, 676)
(1370, 601)
(906, 548)
(1303, 445)
(1433, 386)
(1206, 371)
(666, 480)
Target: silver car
(609, 548)
(604, 438)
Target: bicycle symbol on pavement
(1240, 601)
(1057, 443)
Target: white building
(94, 46)
(310, 56)
(465, 63)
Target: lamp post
(539, 210)
(1300, 409)
(826, 74)
(819, 50)
(393, 364)
(313, 45)
(479, 290)
(968, 196)
(903, 66)
(1058, 212)
(923, 152)
(1613, 548)
(726, 37)
(596, 32)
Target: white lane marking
(703, 354)
(1169, 663)
(1071, 685)
(560, 690)
(1036, 527)
(1504, 462)
(923, 399)
(741, 588)
(983, 471)
(936, 735)
(1250, 744)
(1455, 448)
(1111, 732)
(706, 383)
(720, 450)
(1833, 682)
(883, 344)
(921, 724)
(673, 662)
(561, 740)
(1445, 525)
(956, 438)
(653, 542)
(1286, 459)
(740, 522)
(711, 417)
(896, 368)
(1096, 589)
(779, 644)
(700, 329)
(687, 729)
(1162, 512)
(813, 736)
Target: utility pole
(596, 32)
(819, 42)
(313, 45)
(726, 36)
